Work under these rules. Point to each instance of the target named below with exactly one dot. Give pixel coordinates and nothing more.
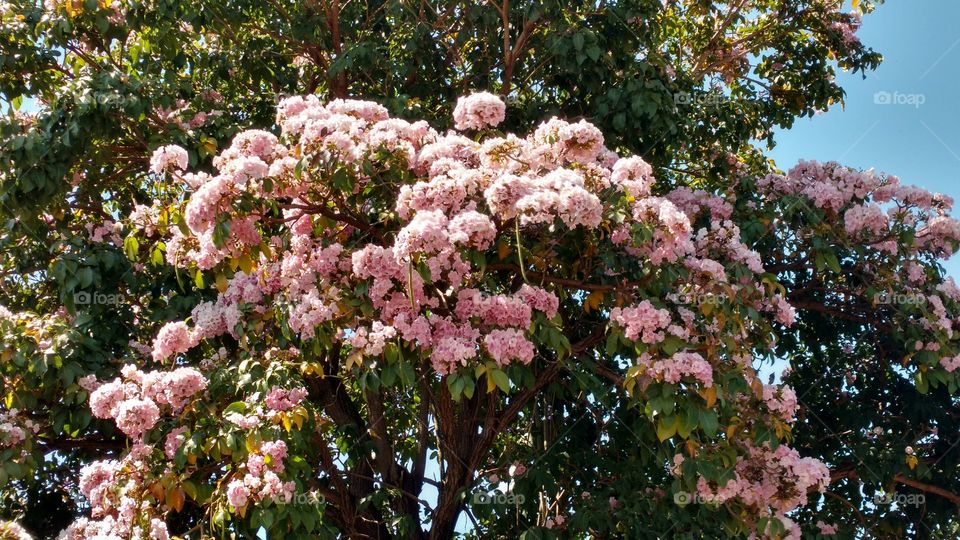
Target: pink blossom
(826, 530)
(784, 313)
(174, 441)
(582, 141)
(498, 310)
(539, 299)
(681, 364)
(643, 321)
(105, 400)
(276, 451)
(280, 399)
(472, 229)
(633, 175)
(950, 363)
(167, 157)
(136, 416)
(96, 479)
(158, 530)
(507, 345)
(365, 110)
(426, 233)
(478, 110)
(174, 388)
(173, 338)
(865, 218)
(237, 494)
(452, 352)
(781, 400)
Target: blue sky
(916, 135)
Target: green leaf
(593, 52)
(672, 344)
(455, 384)
(709, 422)
(689, 421)
(469, 386)
(190, 489)
(500, 379)
(238, 407)
(131, 247)
(298, 169)
(389, 375)
(578, 41)
(85, 275)
(667, 427)
(613, 341)
(832, 261)
(407, 375)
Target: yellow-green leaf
(666, 427)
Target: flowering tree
(289, 327)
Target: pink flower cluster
(579, 142)
(694, 202)
(168, 157)
(539, 299)
(11, 530)
(107, 529)
(556, 178)
(14, 428)
(773, 482)
(280, 399)
(671, 236)
(106, 231)
(451, 352)
(472, 229)
(372, 341)
(173, 338)
(781, 400)
(134, 401)
(784, 313)
(478, 111)
(561, 193)
(118, 493)
(683, 363)
(868, 218)
(633, 175)
(833, 187)
(825, 529)
(950, 364)
(643, 322)
(497, 310)
(262, 480)
(723, 241)
(507, 345)
(847, 25)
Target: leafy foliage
(94, 88)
